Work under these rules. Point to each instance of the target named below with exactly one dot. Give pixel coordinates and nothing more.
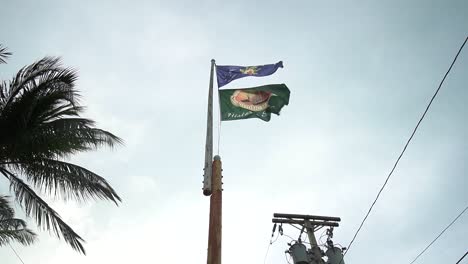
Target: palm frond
(41, 80)
(46, 217)
(11, 223)
(41, 76)
(83, 131)
(4, 54)
(66, 180)
(23, 235)
(6, 211)
(37, 106)
(58, 138)
(13, 229)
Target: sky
(360, 73)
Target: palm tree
(40, 127)
(13, 229)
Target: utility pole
(311, 223)
(214, 233)
(316, 253)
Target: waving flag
(255, 102)
(227, 74)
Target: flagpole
(208, 169)
(212, 184)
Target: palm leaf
(6, 211)
(66, 180)
(46, 217)
(36, 110)
(58, 138)
(13, 229)
(4, 54)
(22, 235)
(27, 77)
(37, 82)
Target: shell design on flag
(255, 101)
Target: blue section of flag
(227, 74)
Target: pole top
(217, 157)
(212, 60)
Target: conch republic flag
(255, 102)
(227, 74)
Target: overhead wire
(437, 237)
(403, 151)
(16, 253)
(268, 250)
(292, 239)
(321, 236)
(271, 242)
(462, 257)
(286, 255)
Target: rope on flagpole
(219, 120)
(219, 124)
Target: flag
(227, 74)
(255, 102)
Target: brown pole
(214, 233)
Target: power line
(462, 257)
(266, 254)
(404, 149)
(269, 244)
(16, 253)
(430, 244)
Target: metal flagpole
(208, 170)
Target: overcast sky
(360, 75)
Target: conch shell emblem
(255, 101)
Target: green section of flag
(255, 102)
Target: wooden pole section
(207, 174)
(214, 233)
(316, 253)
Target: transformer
(334, 255)
(298, 251)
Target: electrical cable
(271, 242)
(266, 254)
(286, 255)
(14, 251)
(292, 239)
(321, 236)
(403, 151)
(430, 244)
(462, 257)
